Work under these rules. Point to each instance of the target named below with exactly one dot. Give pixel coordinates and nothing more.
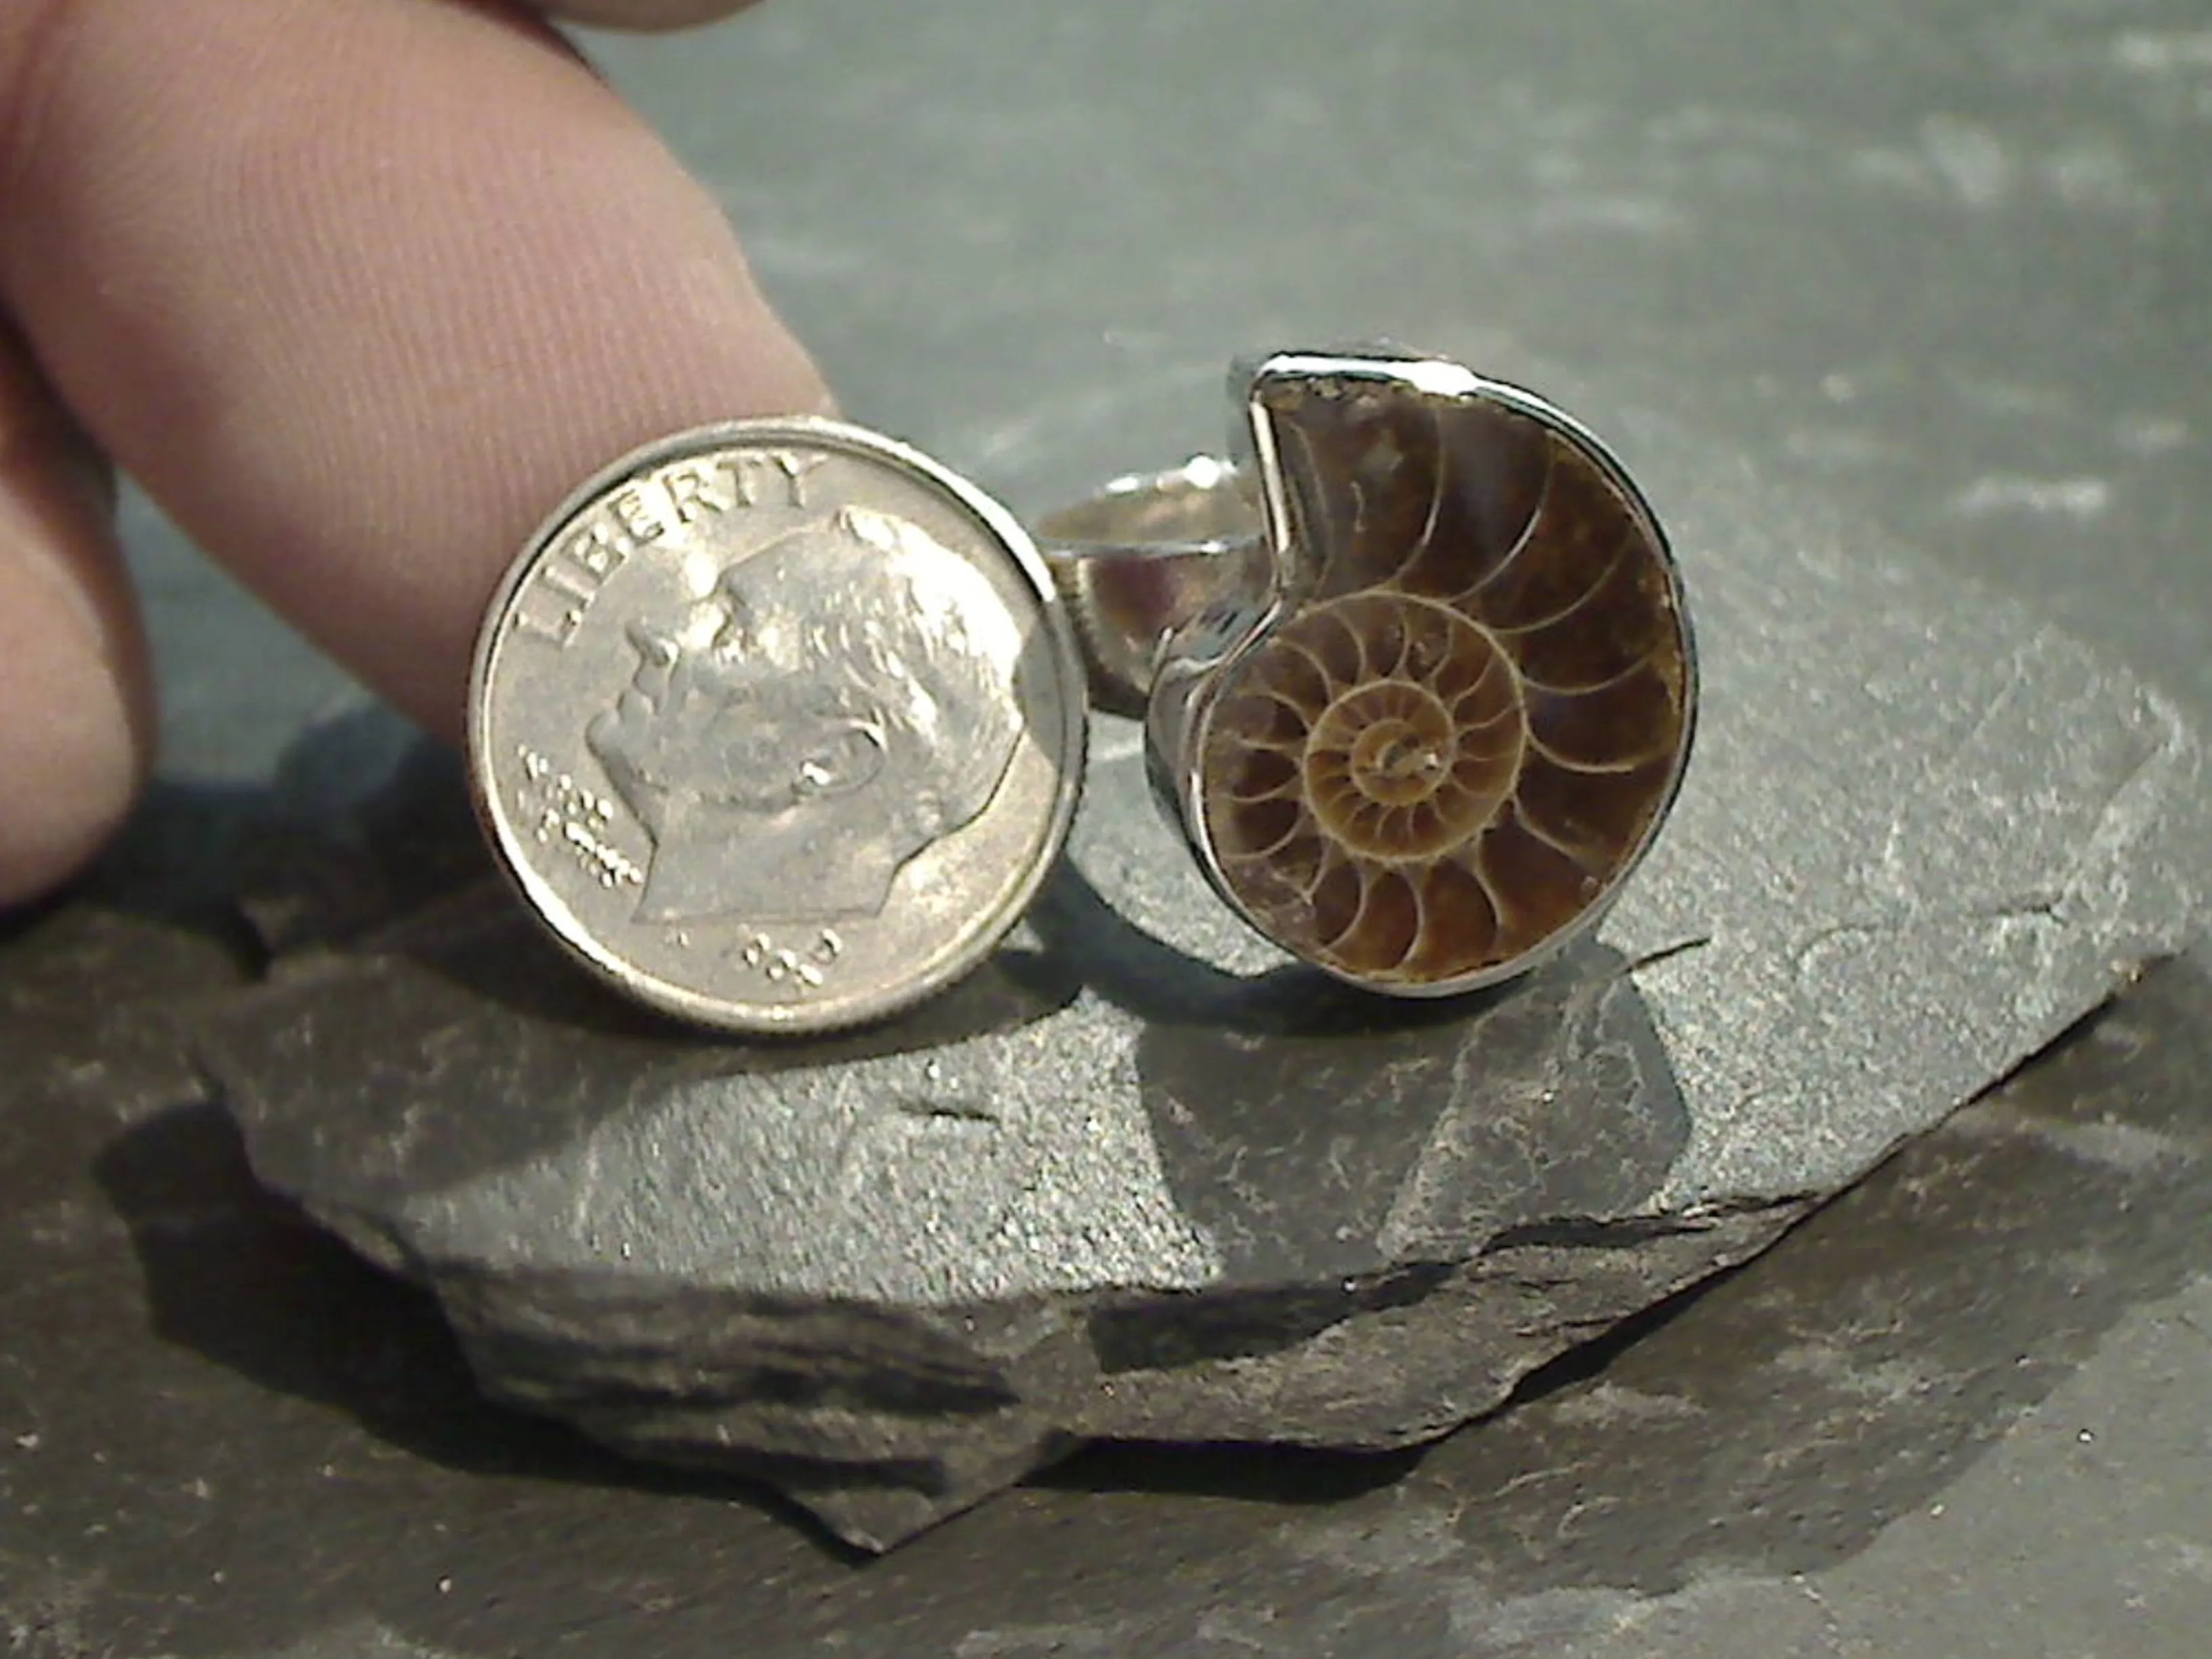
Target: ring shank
(1144, 555)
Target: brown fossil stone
(1464, 736)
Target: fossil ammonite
(1470, 704)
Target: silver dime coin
(777, 725)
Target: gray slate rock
(1138, 1179)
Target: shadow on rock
(1857, 1370)
(1327, 1145)
(1773, 1424)
(1771, 1421)
(235, 1274)
(1162, 986)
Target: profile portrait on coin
(838, 701)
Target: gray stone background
(1937, 269)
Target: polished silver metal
(1144, 556)
(1180, 580)
(777, 725)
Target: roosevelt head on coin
(841, 700)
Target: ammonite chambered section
(1449, 752)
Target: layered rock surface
(1137, 1179)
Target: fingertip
(359, 332)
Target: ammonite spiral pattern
(1465, 736)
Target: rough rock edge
(877, 1476)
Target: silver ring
(1416, 668)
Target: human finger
(358, 288)
(74, 710)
